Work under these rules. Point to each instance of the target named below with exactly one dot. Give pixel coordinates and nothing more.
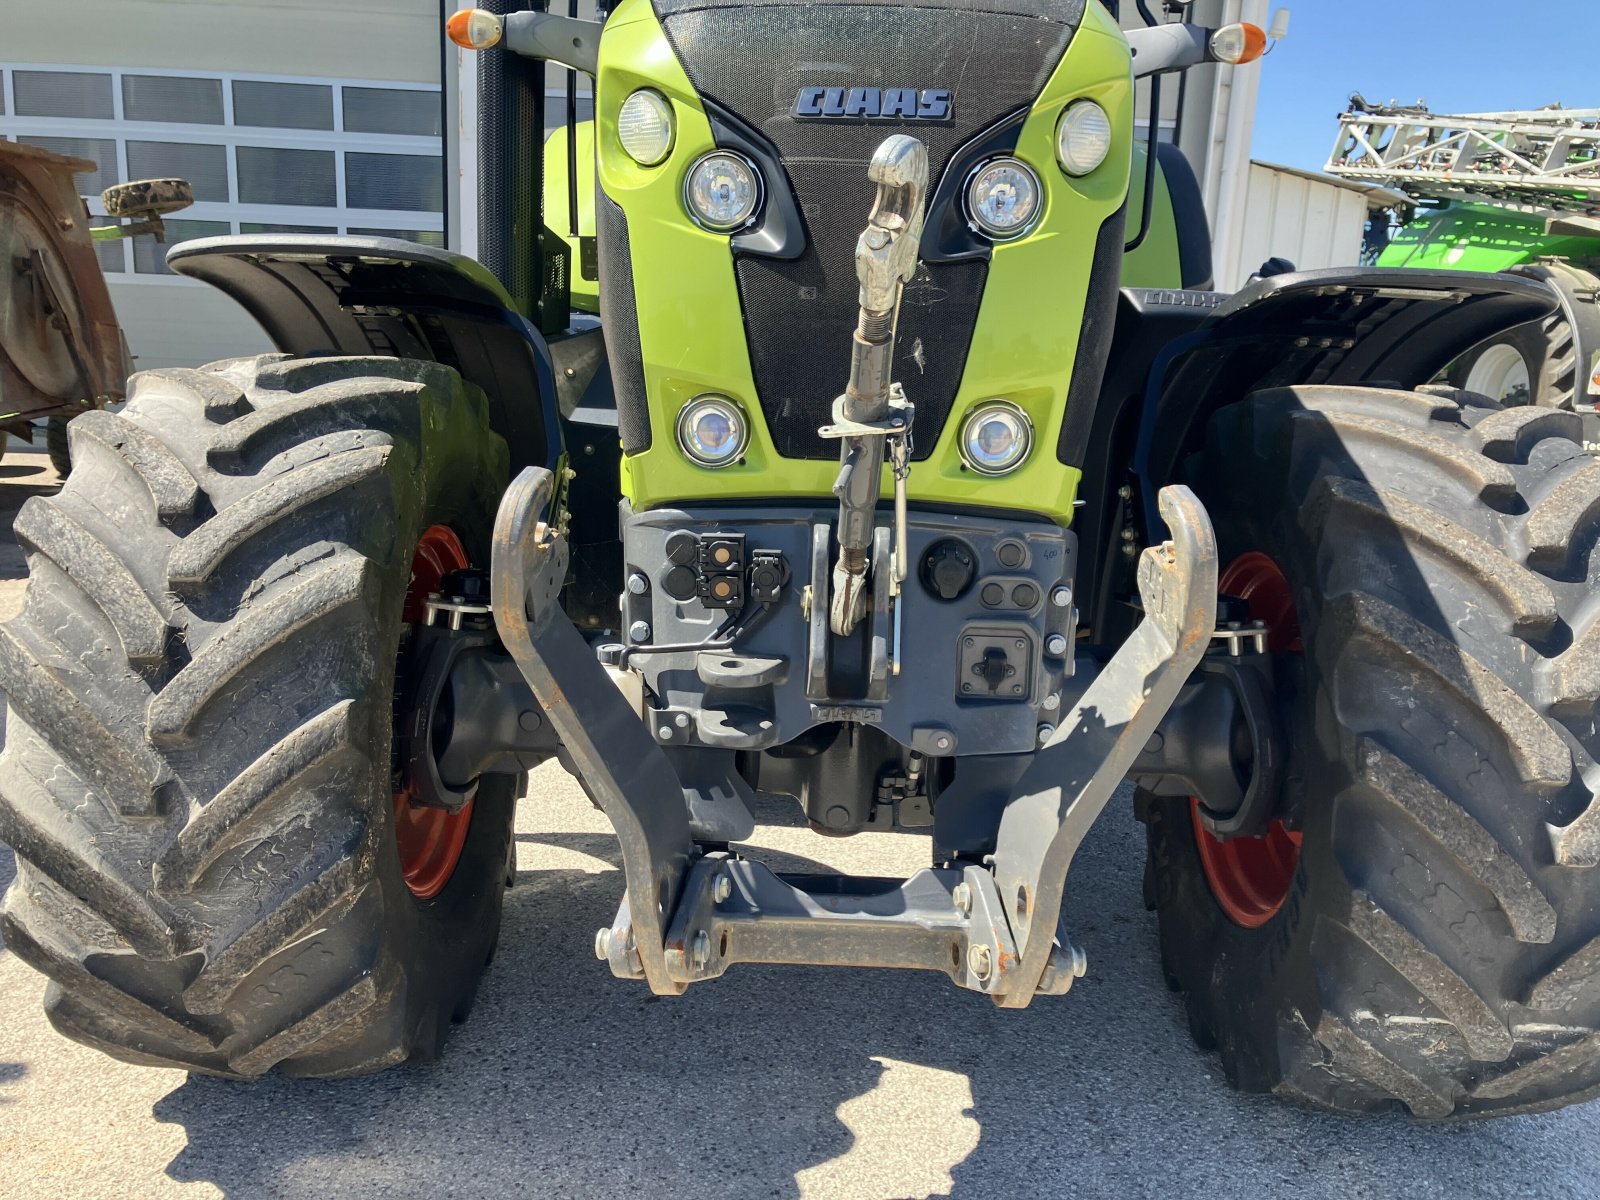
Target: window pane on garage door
(392, 110)
(62, 94)
(205, 167)
(179, 100)
(269, 227)
(268, 175)
(407, 182)
(282, 105)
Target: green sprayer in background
(1504, 191)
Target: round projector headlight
(1003, 198)
(1083, 138)
(996, 439)
(644, 127)
(711, 431)
(723, 192)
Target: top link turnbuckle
(873, 412)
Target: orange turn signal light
(1239, 44)
(475, 29)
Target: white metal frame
(1544, 157)
(232, 137)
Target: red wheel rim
(430, 840)
(1251, 877)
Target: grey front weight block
(689, 915)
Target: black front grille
(754, 59)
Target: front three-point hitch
(691, 911)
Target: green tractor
(871, 487)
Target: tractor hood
(808, 91)
(825, 84)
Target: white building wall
(1311, 222)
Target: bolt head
(1061, 596)
(602, 943)
(1080, 963)
(700, 953)
(980, 961)
(722, 889)
(639, 631)
(638, 584)
(1055, 645)
(961, 897)
(681, 720)
(1045, 731)
(664, 732)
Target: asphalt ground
(780, 1082)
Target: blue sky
(1455, 55)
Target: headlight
(996, 439)
(1083, 139)
(711, 431)
(723, 192)
(1003, 198)
(644, 127)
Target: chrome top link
(873, 414)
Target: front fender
(1374, 326)
(363, 296)
(1177, 357)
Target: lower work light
(996, 439)
(712, 431)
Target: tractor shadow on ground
(568, 1082)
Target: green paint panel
(691, 328)
(1157, 263)
(557, 215)
(1478, 237)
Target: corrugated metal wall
(1311, 223)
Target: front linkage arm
(688, 915)
(625, 772)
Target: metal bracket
(896, 422)
(1094, 745)
(618, 762)
(941, 919)
(551, 38)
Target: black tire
(197, 776)
(1556, 350)
(1438, 949)
(55, 444)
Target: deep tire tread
(194, 777)
(1440, 947)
